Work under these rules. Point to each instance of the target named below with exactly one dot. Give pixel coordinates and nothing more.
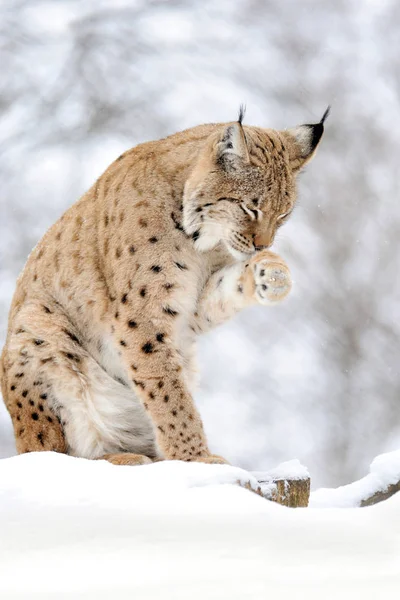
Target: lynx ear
(231, 148)
(305, 140)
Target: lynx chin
(171, 240)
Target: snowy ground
(71, 528)
(383, 472)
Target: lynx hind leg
(25, 392)
(50, 370)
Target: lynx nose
(262, 240)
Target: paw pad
(272, 281)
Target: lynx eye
(253, 213)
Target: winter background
(316, 378)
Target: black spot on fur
(153, 240)
(19, 404)
(124, 298)
(38, 342)
(143, 292)
(73, 357)
(72, 336)
(40, 438)
(151, 395)
(25, 393)
(170, 311)
(168, 286)
(41, 407)
(166, 398)
(43, 396)
(31, 402)
(50, 420)
(132, 324)
(132, 249)
(181, 266)
(12, 388)
(160, 337)
(199, 209)
(196, 235)
(139, 383)
(156, 268)
(122, 342)
(148, 348)
(19, 375)
(160, 384)
(176, 222)
(35, 416)
(47, 310)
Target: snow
(291, 469)
(384, 471)
(72, 528)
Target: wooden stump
(381, 495)
(288, 484)
(294, 493)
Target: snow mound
(384, 471)
(72, 528)
(59, 480)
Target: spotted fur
(171, 240)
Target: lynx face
(243, 187)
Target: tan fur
(169, 242)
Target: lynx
(172, 240)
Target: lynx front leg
(263, 279)
(155, 371)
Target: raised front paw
(271, 277)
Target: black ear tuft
(316, 134)
(316, 130)
(307, 138)
(325, 115)
(242, 112)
